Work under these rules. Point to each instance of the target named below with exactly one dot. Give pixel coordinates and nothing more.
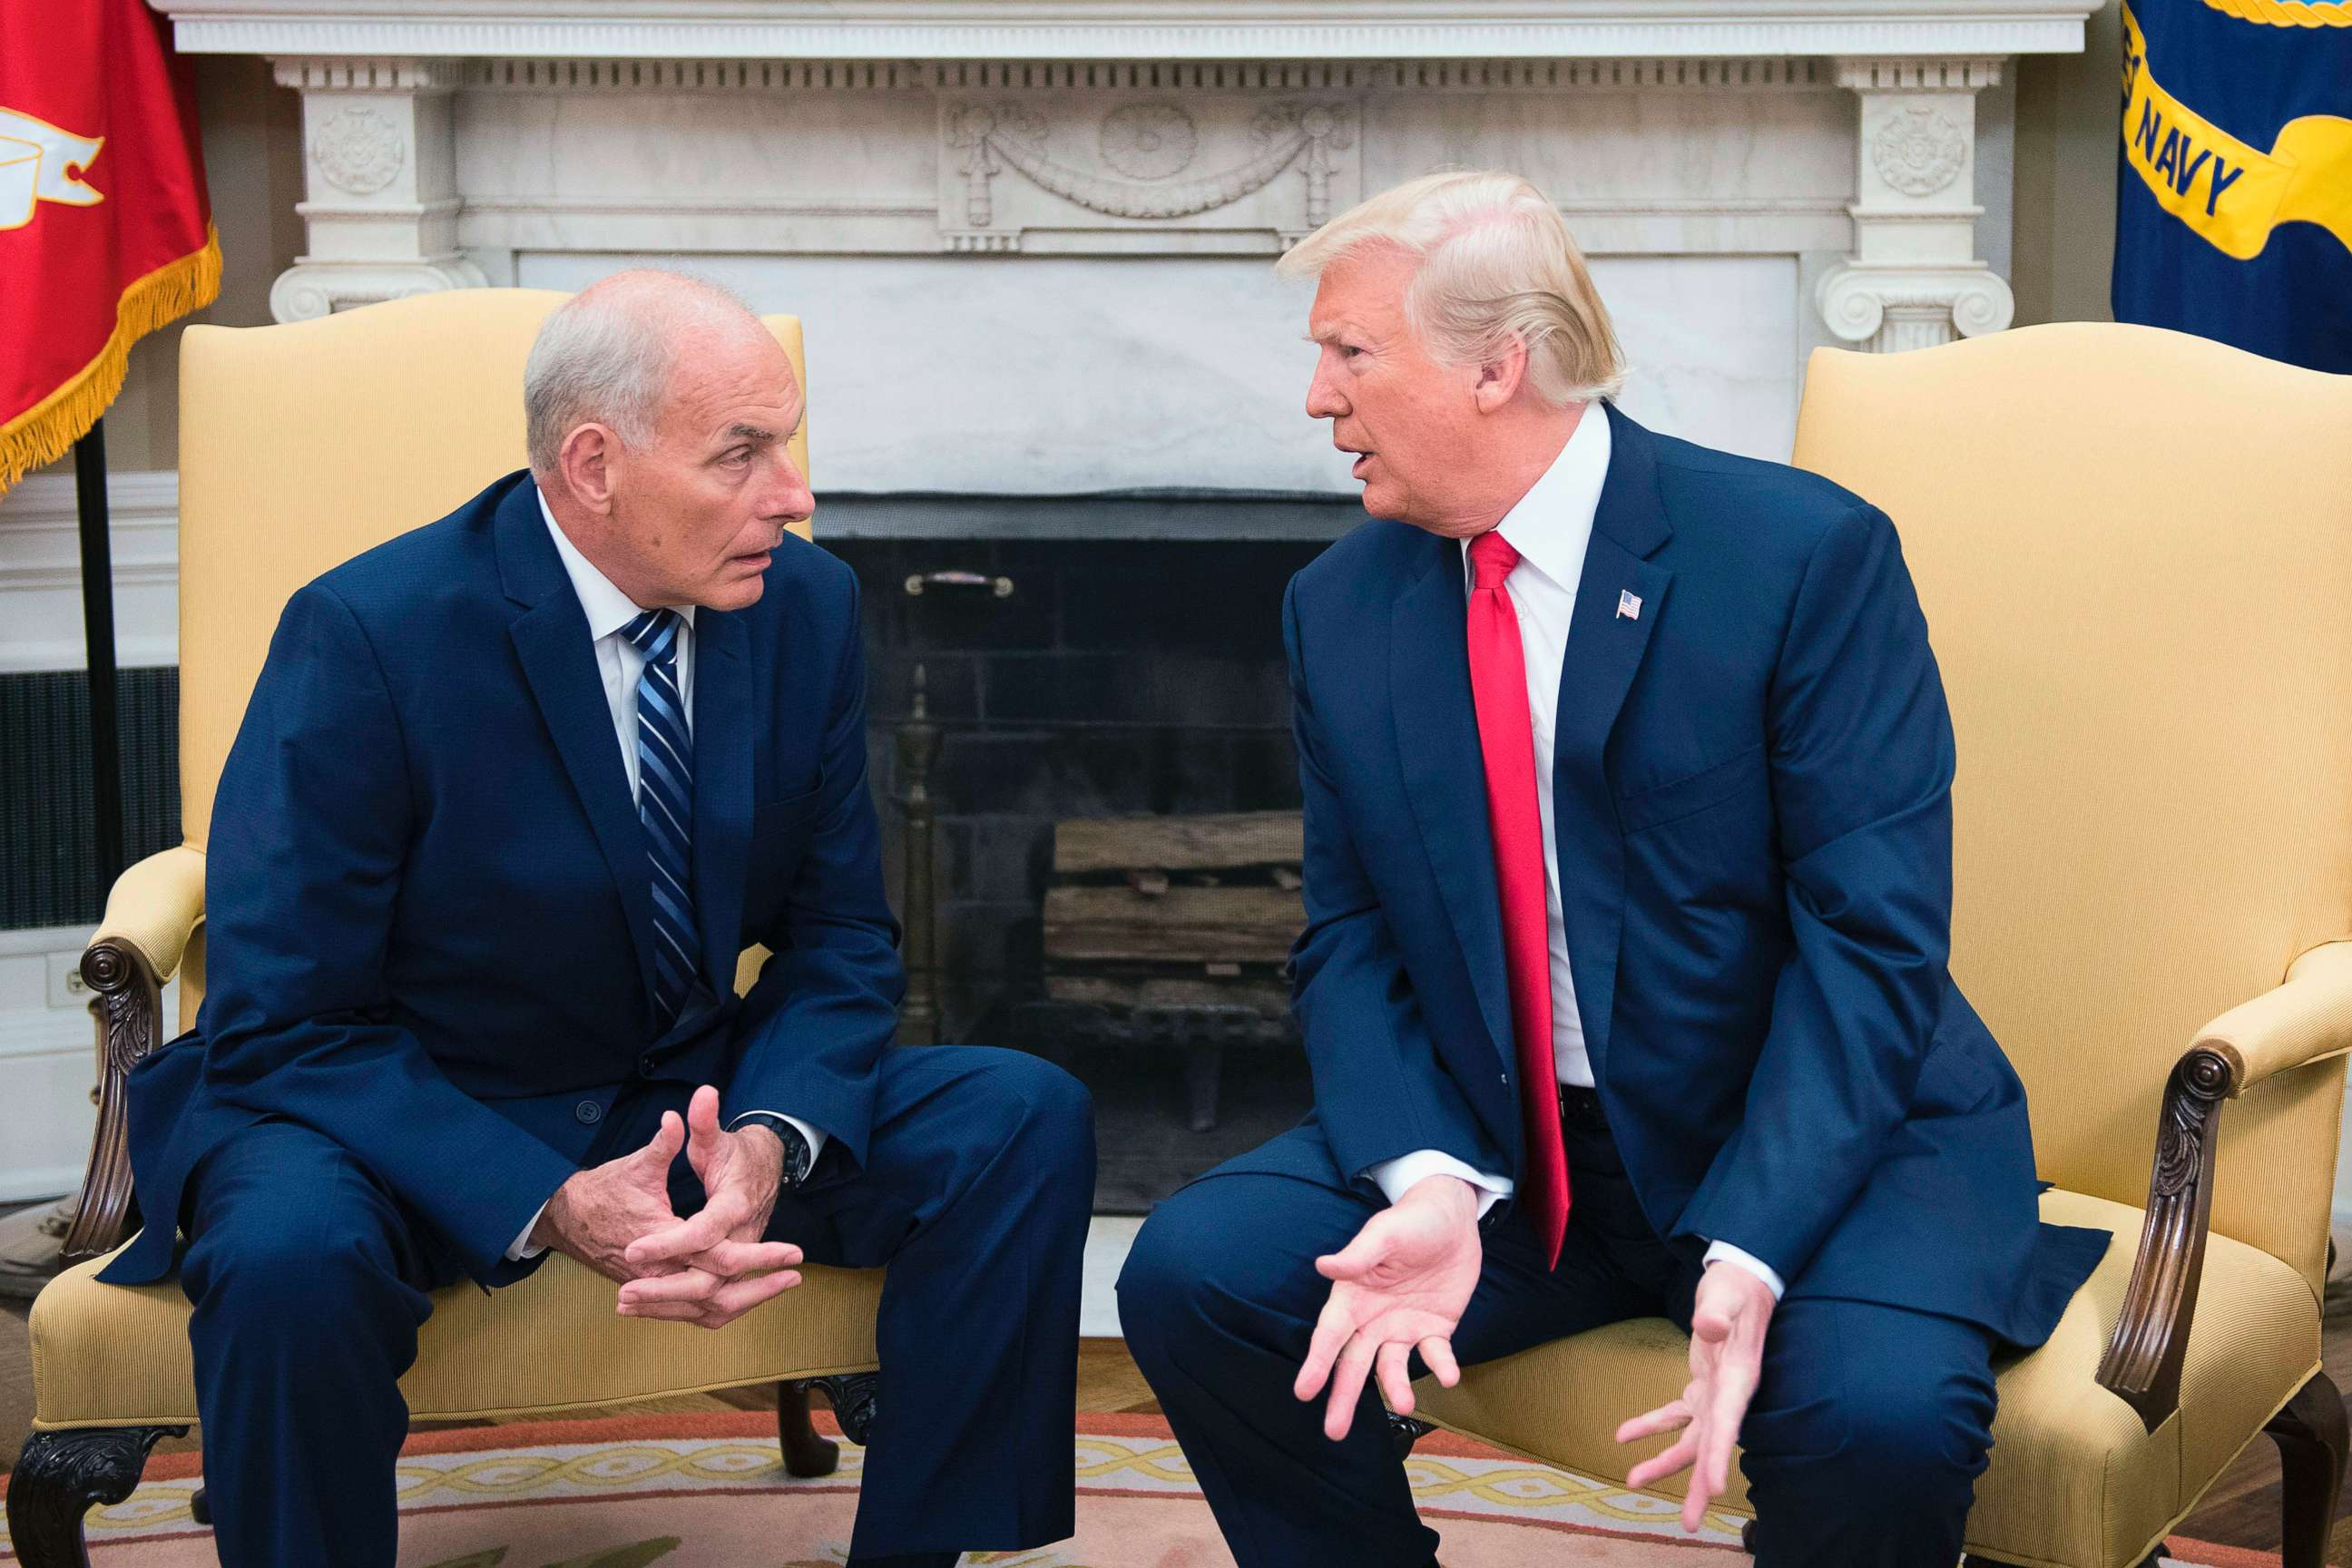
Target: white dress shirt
(1550, 527)
(621, 662)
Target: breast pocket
(774, 819)
(1709, 788)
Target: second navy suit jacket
(1751, 791)
(429, 900)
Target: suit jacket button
(589, 1112)
(646, 1065)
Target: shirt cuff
(1396, 1177)
(1724, 1252)
(523, 1250)
(810, 1135)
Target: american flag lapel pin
(1629, 605)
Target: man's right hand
(596, 1215)
(1400, 1286)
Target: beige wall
(2068, 111)
(253, 163)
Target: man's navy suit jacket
(429, 901)
(1751, 791)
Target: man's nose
(1322, 401)
(790, 497)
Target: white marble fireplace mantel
(1031, 237)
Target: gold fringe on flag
(48, 430)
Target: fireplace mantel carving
(1818, 157)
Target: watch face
(796, 1152)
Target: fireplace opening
(1104, 751)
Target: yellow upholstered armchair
(301, 446)
(2135, 553)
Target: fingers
(685, 1239)
(1719, 1430)
(1437, 1354)
(1394, 1382)
(694, 1296)
(1357, 1258)
(663, 1147)
(1331, 1331)
(1665, 1418)
(1709, 1473)
(1674, 1460)
(727, 1261)
(703, 1139)
(740, 1296)
(732, 1260)
(686, 1285)
(1354, 1366)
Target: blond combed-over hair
(1497, 267)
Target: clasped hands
(708, 1270)
(1403, 1282)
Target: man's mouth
(1362, 459)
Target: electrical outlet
(67, 987)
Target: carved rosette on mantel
(1061, 173)
(1914, 279)
(379, 156)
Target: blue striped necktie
(665, 805)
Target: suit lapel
(722, 789)
(1437, 745)
(1604, 651)
(559, 659)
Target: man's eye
(740, 456)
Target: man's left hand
(718, 1250)
(1727, 1358)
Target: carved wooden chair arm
(2306, 1019)
(152, 911)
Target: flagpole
(98, 635)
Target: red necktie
(1498, 689)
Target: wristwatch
(797, 1158)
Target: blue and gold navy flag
(2233, 207)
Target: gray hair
(1497, 267)
(606, 355)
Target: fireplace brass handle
(921, 582)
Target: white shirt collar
(1552, 523)
(607, 608)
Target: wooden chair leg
(853, 1395)
(61, 1476)
(2312, 1437)
(1404, 1432)
(806, 1453)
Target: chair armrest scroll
(152, 910)
(2305, 1019)
(156, 906)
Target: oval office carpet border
(672, 1490)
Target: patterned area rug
(708, 1490)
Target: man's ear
(586, 461)
(1500, 378)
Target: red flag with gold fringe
(106, 232)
